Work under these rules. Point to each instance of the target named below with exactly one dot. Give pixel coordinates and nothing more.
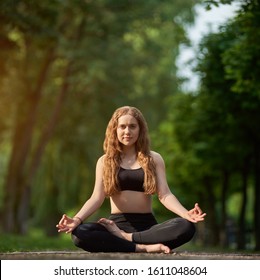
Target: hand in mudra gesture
(196, 214)
(67, 224)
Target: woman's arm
(168, 199)
(98, 196)
(67, 224)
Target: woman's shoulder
(102, 157)
(157, 157)
(100, 160)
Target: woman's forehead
(127, 119)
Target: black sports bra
(131, 179)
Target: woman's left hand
(196, 214)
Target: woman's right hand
(67, 224)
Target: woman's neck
(129, 158)
(129, 152)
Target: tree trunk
(15, 181)
(241, 236)
(16, 189)
(50, 127)
(212, 238)
(257, 196)
(223, 232)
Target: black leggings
(94, 237)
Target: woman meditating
(129, 173)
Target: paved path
(79, 255)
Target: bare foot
(153, 248)
(148, 248)
(114, 229)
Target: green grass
(34, 241)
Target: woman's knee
(80, 233)
(188, 228)
(182, 227)
(76, 236)
(182, 232)
(83, 235)
(77, 242)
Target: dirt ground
(79, 255)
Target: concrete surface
(81, 255)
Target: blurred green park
(67, 65)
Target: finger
(201, 218)
(60, 226)
(69, 230)
(62, 219)
(198, 208)
(62, 229)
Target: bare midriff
(131, 202)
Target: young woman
(129, 173)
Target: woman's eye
(131, 126)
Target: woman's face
(127, 130)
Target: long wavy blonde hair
(113, 151)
